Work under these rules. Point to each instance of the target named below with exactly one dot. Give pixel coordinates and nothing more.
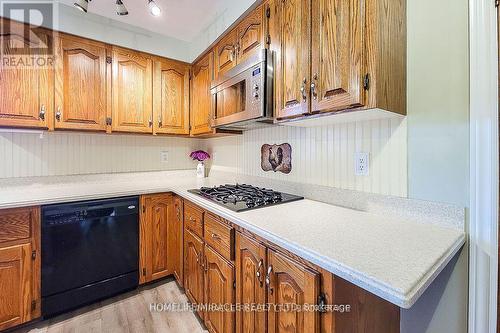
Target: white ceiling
(181, 19)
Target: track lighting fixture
(120, 8)
(82, 5)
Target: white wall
(67, 153)
(325, 155)
(438, 144)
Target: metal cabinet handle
(42, 112)
(58, 114)
(303, 89)
(313, 87)
(259, 274)
(215, 236)
(160, 121)
(268, 279)
(150, 122)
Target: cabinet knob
(150, 122)
(42, 112)
(259, 274)
(215, 236)
(268, 279)
(160, 121)
(58, 114)
(303, 90)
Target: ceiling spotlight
(154, 9)
(82, 5)
(120, 8)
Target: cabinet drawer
(193, 219)
(16, 224)
(219, 236)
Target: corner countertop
(392, 258)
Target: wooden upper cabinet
(334, 55)
(291, 283)
(251, 34)
(81, 84)
(225, 53)
(132, 91)
(291, 34)
(219, 279)
(19, 266)
(170, 97)
(157, 214)
(338, 64)
(26, 93)
(193, 269)
(250, 287)
(200, 96)
(176, 241)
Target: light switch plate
(361, 164)
(164, 156)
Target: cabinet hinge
(109, 121)
(268, 12)
(366, 82)
(33, 306)
(33, 255)
(109, 60)
(268, 40)
(322, 303)
(144, 271)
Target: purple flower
(199, 155)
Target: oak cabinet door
(219, 291)
(291, 283)
(251, 35)
(250, 287)
(292, 57)
(337, 55)
(193, 270)
(225, 53)
(175, 241)
(132, 92)
(170, 97)
(15, 285)
(80, 76)
(26, 92)
(200, 96)
(158, 211)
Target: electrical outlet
(362, 164)
(164, 156)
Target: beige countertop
(392, 258)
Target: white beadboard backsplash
(69, 153)
(325, 155)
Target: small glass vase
(200, 170)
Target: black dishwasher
(90, 251)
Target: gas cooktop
(241, 197)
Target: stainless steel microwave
(242, 97)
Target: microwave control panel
(256, 85)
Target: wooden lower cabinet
(291, 283)
(219, 291)
(156, 230)
(19, 266)
(176, 241)
(250, 288)
(193, 269)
